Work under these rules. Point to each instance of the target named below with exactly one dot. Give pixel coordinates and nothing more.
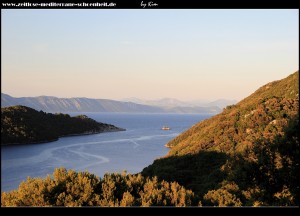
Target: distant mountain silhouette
(172, 102)
(54, 104)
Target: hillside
(20, 124)
(248, 154)
(54, 104)
(262, 114)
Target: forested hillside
(20, 124)
(246, 155)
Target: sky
(188, 54)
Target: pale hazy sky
(183, 54)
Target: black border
(152, 4)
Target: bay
(130, 150)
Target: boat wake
(78, 149)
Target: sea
(130, 150)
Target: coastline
(167, 146)
(68, 135)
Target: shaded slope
(246, 155)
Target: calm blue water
(131, 150)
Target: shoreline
(167, 146)
(69, 135)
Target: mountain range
(172, 102)
(55, 104)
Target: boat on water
(166, 128)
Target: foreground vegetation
(20, 124)
(70, 188)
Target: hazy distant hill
(222, 103)
(54, 104)
(246, 155)
(164, 102)
(172, 102)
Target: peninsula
(24, 125)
